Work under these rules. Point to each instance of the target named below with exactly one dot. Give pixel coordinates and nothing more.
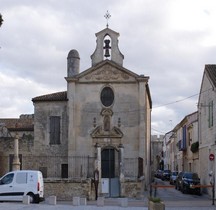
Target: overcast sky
(170, 41)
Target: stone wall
(67, 189)
(26, 143)
(132, 189)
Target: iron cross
(107, 16)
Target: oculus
(107, 96)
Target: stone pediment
(107, 73)
(98, 132)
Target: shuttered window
(210, 115)
(54, 130)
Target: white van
(14, 185)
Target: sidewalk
(110, 204)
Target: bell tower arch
(109, 48)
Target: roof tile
(59, 96)
(211, 71)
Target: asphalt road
(173, 197)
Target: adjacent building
(166, 151)
(191, 145)
(22, 128)
(207, 122)
(181, 146)
(156, 152)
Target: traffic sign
(211, 157)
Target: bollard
(83, 201)
(26, 199)
(155, 190)
(124, 202)
(52, 200)
(100, 201)
(76, 201)
(150, 190)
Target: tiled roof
(211, 71)
(60, 96)
(24, 123)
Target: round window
(107, 96)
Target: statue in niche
(106, 123)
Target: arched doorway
(110, 171)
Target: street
(172, 197)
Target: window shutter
(54, 130)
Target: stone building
(206, 125)
(23, 127)
(167, 151)
(192, 151)
(102, 121)
(184, 137)
(156, 151)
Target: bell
(107, 53)
(107, 47)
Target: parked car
(179, 180)
(166, 175)
(158, 173)
(189, 182)
(173, 177)
(14, 185)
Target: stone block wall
(67, 189)
(132, 189)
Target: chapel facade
(102, 121)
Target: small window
(54, 130)
(210, 115)
(64, 171)
(107, 96)
(140, 167)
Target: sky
(170, 41)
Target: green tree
(1, 20)
(195, 147)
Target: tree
(195, 147)
(1, 20)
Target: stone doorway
(110, 171)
